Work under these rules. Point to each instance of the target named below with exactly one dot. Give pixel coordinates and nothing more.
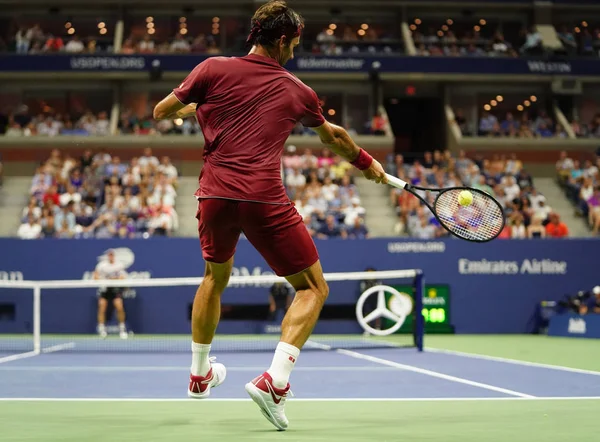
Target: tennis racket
(480, 221)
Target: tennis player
(110, 269)
(247, 107)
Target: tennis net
(362, 311)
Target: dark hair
(272, 21)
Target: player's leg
(120, 309)
(280, 236)
(301, 317)
(206, 312)
(102, 303)
(219, 232)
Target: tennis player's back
(247, 109)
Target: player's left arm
(184, 99)
(170, 108)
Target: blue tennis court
(368, 373)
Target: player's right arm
(339, 141)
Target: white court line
(296, 399)
(181, 368)
(434, 374)
(18, 356)
(512, 361)
(58, 347)
(30, 354)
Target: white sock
(283, 363)
(200, 362)
(101, 328)
(122, 326)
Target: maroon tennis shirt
(247, 108)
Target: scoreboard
(436, 309)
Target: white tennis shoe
(200, 386)
(270, 399)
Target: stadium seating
(98, 196)
(528, 216)
(474, 37)
(325, 194)
(581, 182)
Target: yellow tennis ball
(465, 198)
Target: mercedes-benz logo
(400, 306)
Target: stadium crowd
(528, 215)
(324, 193)
(474, 39)
(589, 129)
(50, 124)
(98, 196)
(581, 39)
(535, 124)
(581, 182)
(528, 125)
(33, 39)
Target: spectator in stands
(30, 230)
(593, 211)
(424, 229)
(587, 42)
(564, 166)
(54, 44)
(543, 210)
(128, 47)
(535, 228)
(102, 125)
(75, 45)
(533, 42)
(358, 230)
(51, 195)
(48, 225)
(148, 160)
(578, 129)
(378, 124)
(560, 132)
(499, 46)
(295, 182)
(169, 170)
(568, 39)
(23, 40)
(179, 44)
(517, 227)
(146, 46)
(330, 229)
(487, 123)
(70, 196)
(556, 228)
(199, 44)
(353, 212)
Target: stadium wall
(494, 287)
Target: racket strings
(482, 220)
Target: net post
(419, 330)
(37, 318)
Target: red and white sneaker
(200, 386)
(270, 399)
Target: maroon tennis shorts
(275, 230)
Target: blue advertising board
(313, 63)
(495, 286)
(578, 326)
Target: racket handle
(396, 182)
